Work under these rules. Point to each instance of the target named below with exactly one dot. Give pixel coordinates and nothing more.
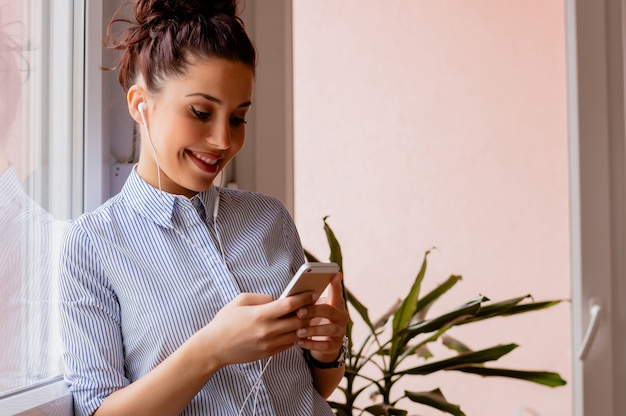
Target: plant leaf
(424, 303)
(530, 307)
(360, 308)
(333, 244)
(341, 408)
(409, 305)
(502, 309)
(465, 311)
(546, 378)
(434, 399)
(454, 344)
(385, 317)
(385, 410)
(336, 257)
(462, 360)
(424, 352)
(309, 256)
(407, 310)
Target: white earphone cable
(142, 108)
(255, 387)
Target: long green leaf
(360, 308)
(504, 310)
(530, 307)
(466, 311)
(385, 410)
(335, 248)
(545, 378)
(309, 256)
(436, 293)
(409, 306)
(502, 306)
(434, 399)
(462, 360)
(336, 257)
(407, 310)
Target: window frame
(52, 94)
(51, 397)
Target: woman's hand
(323, 335)
(253, 326)
(250, 327)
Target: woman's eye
(200, 114)
(237, 121)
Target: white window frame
(51, 398)
(59, 80)
(597, 135)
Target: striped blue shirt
(144, 272)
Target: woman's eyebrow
(215, 99)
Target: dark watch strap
(340, 361)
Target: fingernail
(301, 332)
(315, 297)
(302, 312)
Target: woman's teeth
(205, 159)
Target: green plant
(401, 337)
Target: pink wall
(443, 123)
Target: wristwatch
(340, 361)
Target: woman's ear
(135, 96)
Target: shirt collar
(160, 206)
(208, 198)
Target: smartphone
(311, 277)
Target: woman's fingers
(327, 321)
(263, 326)
(335, 292)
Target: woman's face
(197, 124)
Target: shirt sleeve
(90, 324)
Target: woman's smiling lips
(207, 162)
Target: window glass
(35, 184)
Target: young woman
(168, 289)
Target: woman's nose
(220, 136)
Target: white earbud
(142, 110)
(141, 107)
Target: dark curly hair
(166, 34)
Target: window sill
(51, 398)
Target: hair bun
(160, 38)
(203, 7)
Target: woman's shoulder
(244, 197)
(103, 214)
(253, 208)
